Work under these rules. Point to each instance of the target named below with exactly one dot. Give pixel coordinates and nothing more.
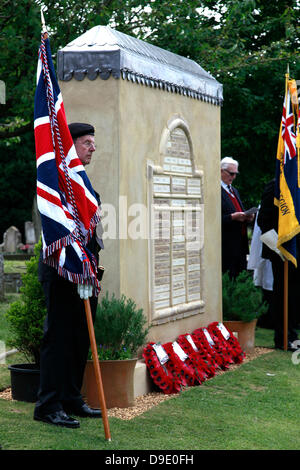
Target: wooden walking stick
(100, 390)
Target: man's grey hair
(228, 161)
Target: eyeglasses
(231, 173)
(88, 144)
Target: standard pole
(97, 368)
(285, 306)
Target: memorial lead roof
(103, 51)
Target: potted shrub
(242, 305)
(120, 331)
(25, 319)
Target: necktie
(230, 190)
(234, 199)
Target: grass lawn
(14, 266)
(252, 407)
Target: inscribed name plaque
(177, 232)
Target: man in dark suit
(234, 222)
(65, 343)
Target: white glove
(84, 290)
(270, 239)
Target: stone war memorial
(157, 170)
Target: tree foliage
(245, 45)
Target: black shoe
(84, 411)
(58, 418)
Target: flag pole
(285, 304)
(286, 266)
(99, 383)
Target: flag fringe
(88, 277)
(288, 256)
(287, 238)
(70, 238)
(93, 224)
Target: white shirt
(226, 187)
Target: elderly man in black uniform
(66, 339)
(234, 221)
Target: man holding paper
(234, 221)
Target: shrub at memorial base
(242, 300)
(26, 316)
(119, 331)
(119, 328)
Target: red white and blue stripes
(65, 197)
(288, 128)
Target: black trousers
(234, 264)
(278, 300)
(64, 348)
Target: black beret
(78, 129)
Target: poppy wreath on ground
(201, 365)
(223, 348)
(231, 344)
(240, 355)
(212, 356)
(218, 337)
(217, 353)
(183, 370)
(207, 353)
(214, 331)
(195, 363)
(158, 372)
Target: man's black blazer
(234, 236)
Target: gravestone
(30, 237)
(12, 240)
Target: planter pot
(25, 381)
(245, 332)
(118, 383)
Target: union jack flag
(287, 181)
(65, 197)
(288, 128)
